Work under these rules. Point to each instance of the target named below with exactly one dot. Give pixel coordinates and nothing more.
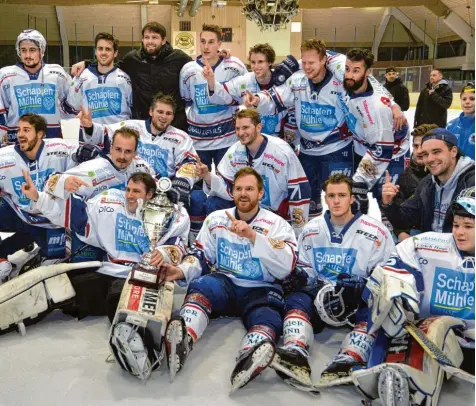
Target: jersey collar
(237, 216)
(33, 76)
(199, 61)
(337, 238)
(367, 93)
(260, 151)
(93, 68)
(148, 127)
(317, 87)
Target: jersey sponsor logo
(59, 239)
(39, 98)
(201, 100)
(332, 261)
(380, 230)
(453, 293)
(130, 235)
(104, 101)
(317, 117)
(237, 259)
(100, 175)
(156, 157)
(106, 210)
(7, 161)
(269, 124)
(367, 235)
(340, 168)
(235, 71)
(260, 230)
(367, 112)
(61, 154)
(39, 179)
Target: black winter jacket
(150, 75)
(419, 210)
(399, 92)
(433, 108)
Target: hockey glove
(85, 153)
(360, 190)
(284, 70)
(352, 287)
(182, 186)
(297, 279)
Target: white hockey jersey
(319, 119)
(53, 156)
(271, 258)
(235, 89)
(370, 119)
(170, 153)
(101, 174)
(108, 96)
(104, 222)
(444, 278)
(44, 93)
(287, 189)
(210, 126)
(361, 245)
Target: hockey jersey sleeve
(299, 192)
(101, 134)
(4, 104)
(184, 86)
(378, 136)
(228, 93)
(381, 252)
(63, 88)
(305, 253)
(276, 99)
(186, 162)
(277, 250)
(222, 180)
(176, 239)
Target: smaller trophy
(158, 215)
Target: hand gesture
(202, 171)
(389, 190)
(78, 68)
(250, 100)
(209, 75)
(241, 228)
(224, 52)
(73, 183)
(85, 117)
(173, 272)
(29, 189)
(156, 259)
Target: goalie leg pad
(35, 292)
(138, 328)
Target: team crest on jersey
(298, 217)
(453, 293)
(187, 170)
(52, 181)
(174, 254)
(368, 167)
(277, 244)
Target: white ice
(61, 361)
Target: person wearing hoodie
(153, 68)
(463, 126)
(395, 86)
(450, 172)
(413, 174)
(434, 101)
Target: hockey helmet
(331, 307)
(464, 205)
(33, 36)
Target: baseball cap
(391, 69)
(441, 134)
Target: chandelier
(270, 15)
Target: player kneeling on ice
(337, 252)
(431, 278)
(112, 221)
(251, 249)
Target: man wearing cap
(449, 173)
(395, 86)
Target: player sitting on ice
(337, 252)
(430, 278)
(251, 249)
(112, 222)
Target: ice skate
(340, 367)
(178, 344)
(251, 363)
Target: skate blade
(294, 380)
(328, 382)
(263, 358)
(174, 337)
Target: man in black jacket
(429, 207)
(398, 90)
(434, 101)
(153, 68)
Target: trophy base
(146, 276)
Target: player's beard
(32, 64)
(246, 206)
(351, 85)
(30, 145)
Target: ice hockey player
(103, 88)
(112, 222)
(251, 249)
(40, 158)
(337, 252)
(210, 125)
(31, 86)
(286, 188)
(262, 77)
(370, 119)
(168, 150)
(431, 277)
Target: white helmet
(331, 307)
(33, 36)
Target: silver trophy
(158, 215)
